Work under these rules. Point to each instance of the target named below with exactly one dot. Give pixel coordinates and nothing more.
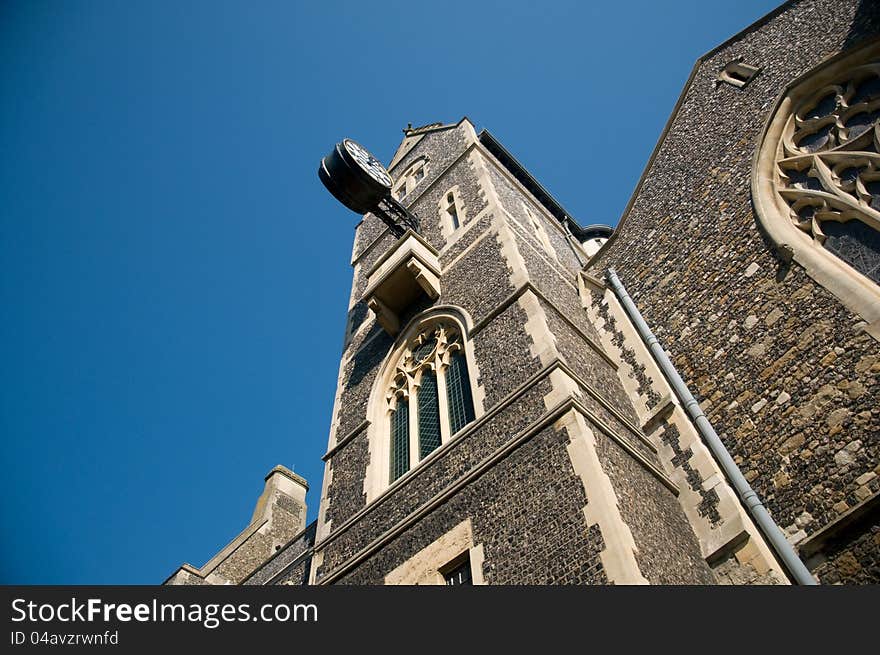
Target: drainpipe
(784, 550)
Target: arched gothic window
(816, 178)
(430, 396)
(410, 179)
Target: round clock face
(368, 163)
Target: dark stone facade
(555, 471)
(509, 475)
(291, 564)
(782, 369)
(527, 512)
(854, 560)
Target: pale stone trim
(538, 229)
(317, 561)
(465, 124)
(419, 193)
(378, 431)
(503, 405)
(411, 264)
(415, 242)
(324, 526)
(662, 411)
(548, 419)
(440, 497)
(857, 293)
(468, 129)
(565, 275)
(405, 147)
(407, 179)
(280, 481)
(448, 231)
(587, 280)
(625, 372)
(470, 428)
(557, 225)
(725, 537)
(735, 70)
(529, 287)
(608, 431)
(618, 557)
(334, 423)
(581, 387)
(489, 231)
(426, 566)
(543, 341)
(478, 148)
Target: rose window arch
(816, 180)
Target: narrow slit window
(452, 211)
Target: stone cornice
(402, 482)
(546, 420)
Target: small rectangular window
(459, 572)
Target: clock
(354, 177)
(368, 163)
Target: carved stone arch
(816, 178)
(406, 182)
(401, 374)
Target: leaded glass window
(458, 388)
(399, 440)
(430, 399)
(429, 417)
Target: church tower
(491, 424)
(506, 414)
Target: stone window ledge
(408, 271)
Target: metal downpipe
(780, 545)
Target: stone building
(502, 416)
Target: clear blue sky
(174, 276)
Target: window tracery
(816, 179)
(429, 399)
(829, 168)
